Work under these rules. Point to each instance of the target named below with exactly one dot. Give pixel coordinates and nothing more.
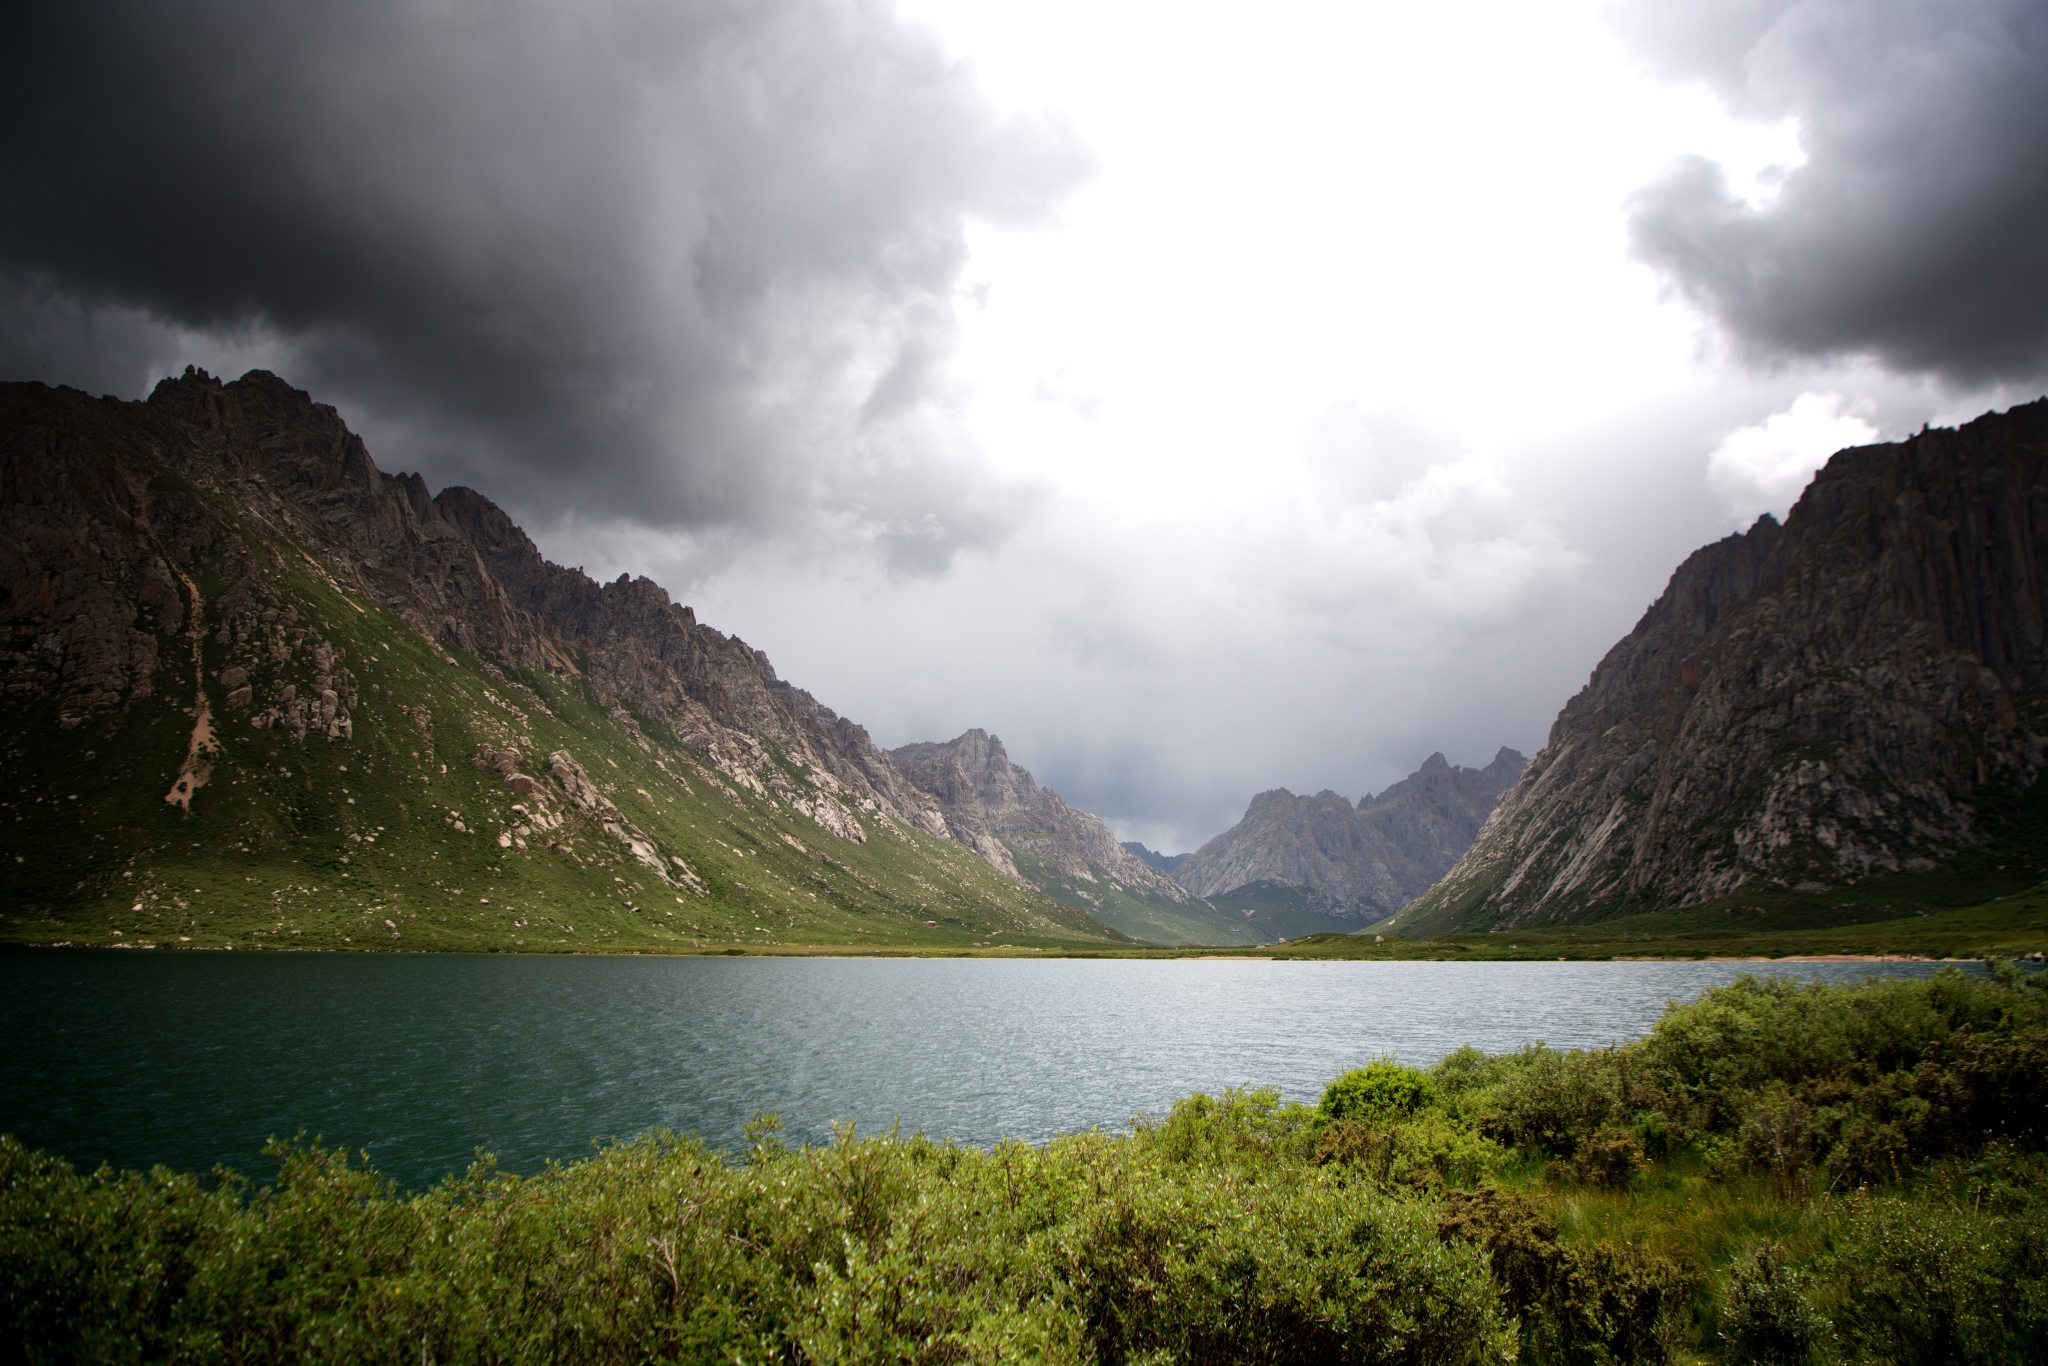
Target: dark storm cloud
(1914, 232)
(690, 264)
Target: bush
(1922, 1283)
(1087, 1249)
(1428, 1150)
(1602, 1303)
(1213, 1270)
(1558, 1100)
(1716, 1054)
(1609, 1158)
(1246, 1126)
(1382, 1091)
(1765, 1317)
(1776, 1139)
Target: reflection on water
(194, 1059)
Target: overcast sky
(1203, 398)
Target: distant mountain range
(1860, 693)
(1165, 863)
(1301, 865)
(255, 691)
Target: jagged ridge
(996, 809)
(1805, 705)
(236, 546)
(1354, 862)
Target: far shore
(1192, 954)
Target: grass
(1141, 915)
(390, 837)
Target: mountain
(1857, 692)
(255, 691)
(1165, 863)
(1301, 865)
(993, 807)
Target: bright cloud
(1762, 468)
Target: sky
(1202, 398)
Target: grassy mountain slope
(1274, 911)
(303, 768)
(2013, 859)
(1135, 911)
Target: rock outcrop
(452, 566)
(1362, 861)
(1805, 704)
(996, 809)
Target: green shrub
(1557, 1100)
(1466, 1077)
(1714, 1055)
(1432, 1148)
(1428, 1150)
(1926, 1283)
(1352, 1143)
(1209, 1269)
(1087, 1249)
(1246, 1126)
(1382, 1091)
(1609, 1158)
(1776, 1139)
(1600, 1303)
(1765, 1317)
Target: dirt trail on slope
(199, 754)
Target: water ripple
(194, 1059)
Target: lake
(194, 1059)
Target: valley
(262, 695)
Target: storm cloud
(1331, 424)
(1912, 234)
(686, 266)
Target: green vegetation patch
(1140, 915)
(1276, 911)
(1777, 1172)
(389, 833)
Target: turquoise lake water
(194, 1059)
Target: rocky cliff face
(1806, 704)
(995, 808)
(1365, 860)
(235, 547)
(453, 567)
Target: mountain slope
(1805, 706)
(1302, 865)
(995, 808)
(257, 691)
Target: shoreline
(1121, 953)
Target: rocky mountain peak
(209, 588)
(1804, 704)
(995, 808)
(453, 567)
(1366, 859)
